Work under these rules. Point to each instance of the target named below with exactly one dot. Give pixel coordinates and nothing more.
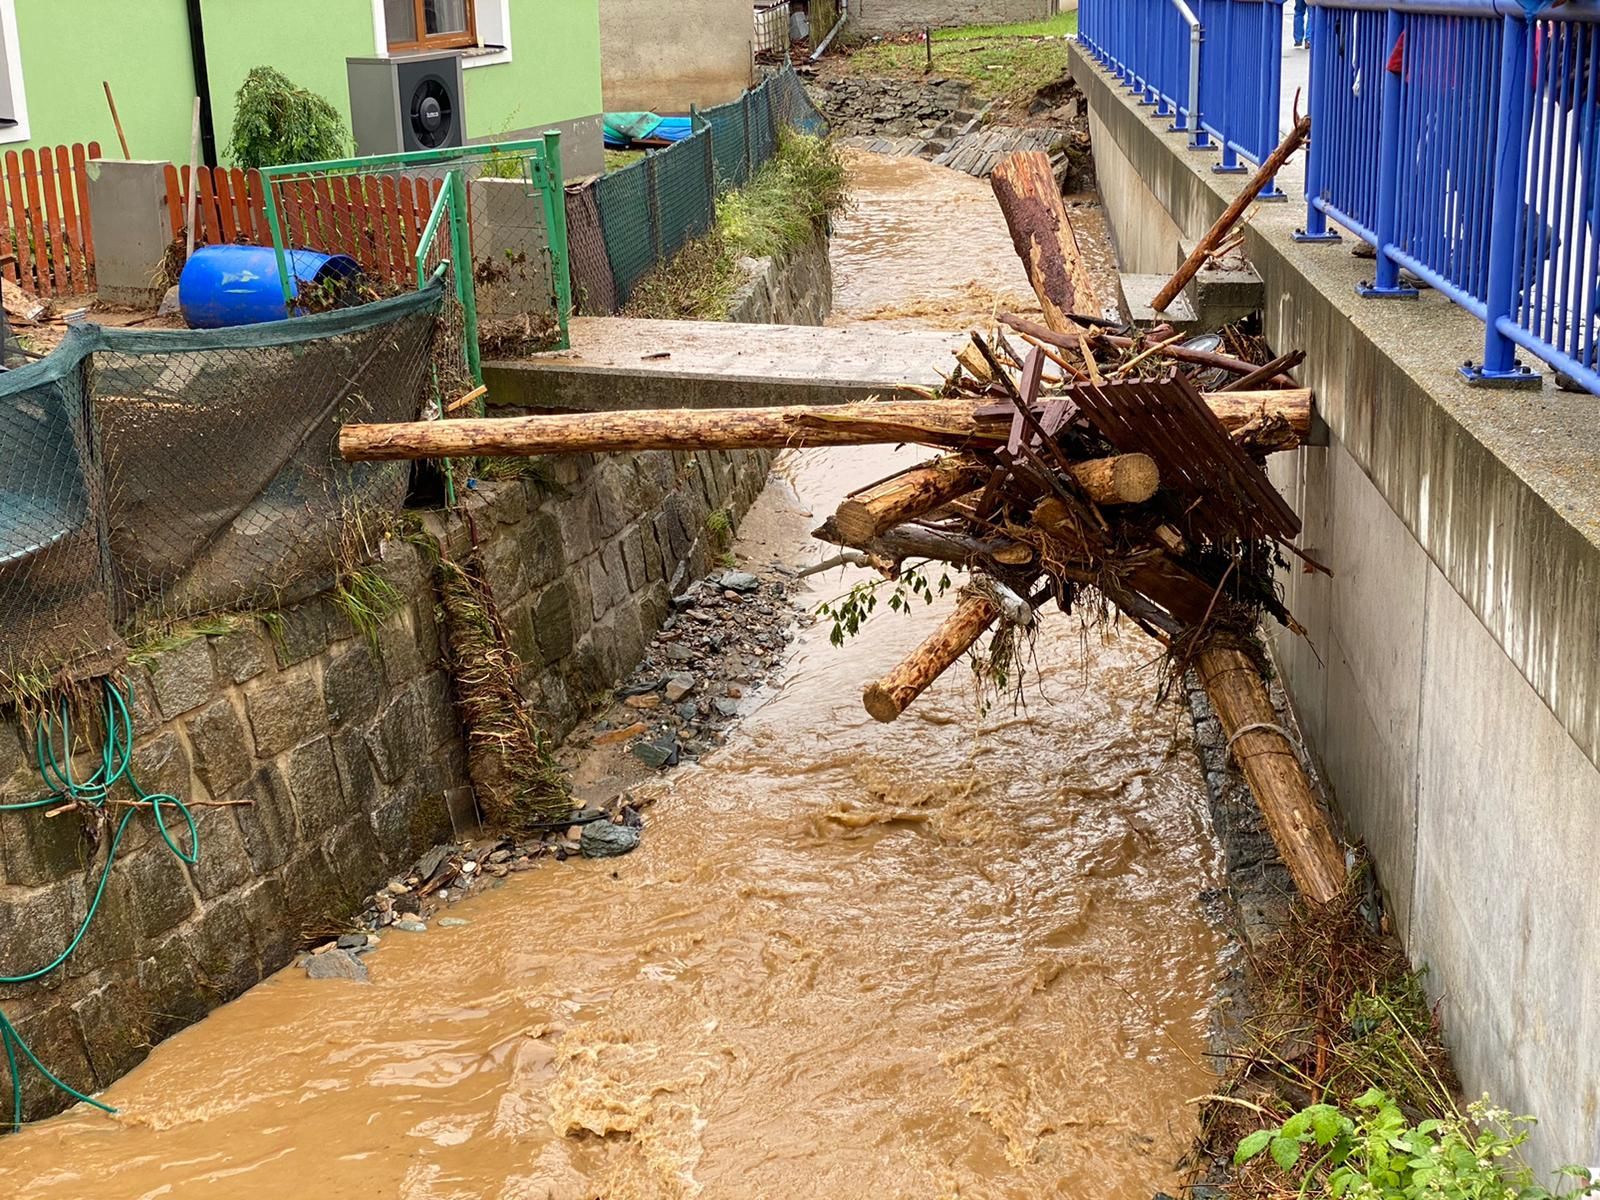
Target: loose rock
(605, 840)
(337, 964)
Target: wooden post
(1273, 770)
(115, 119)
(892, 695)
(1232, 213)
(910, 494)
(194, 182)
(952, 423)
(1025, 186)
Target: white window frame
(494, 29)
(12, 83)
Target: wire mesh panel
(375, 209)
(153, 475)
(730, 141)
(772, 28)
(686, 191)
(594, 288)
(1348, 61)
(628, 220)
(792, 103)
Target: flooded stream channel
(958, 956)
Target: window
(430, 24)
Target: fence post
(1229, 163)
(653, 204)
(1386, 283)
(749, 145)
(555, 223)
(1270, 102)
(461, 253)
(1316, 227)
(1500, 367)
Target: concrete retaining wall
(341, 750)
(664, 57)
(1451, 681)
(893, 16)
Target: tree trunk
(893, 694)
(917, 541)
(1276, 777)
(912, 493)
(951, 423)
(1121, 479)
(1025, 186)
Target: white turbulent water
(957, 956)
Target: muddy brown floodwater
(957, 956)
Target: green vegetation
(1371, 1149)
(157, 640)
(280, 122)
(1008, 63)
(787, 200)
(618, 159)
(367, 600)
(1061, 25)
(849, 611)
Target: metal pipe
(844, 11)
(1197, 134)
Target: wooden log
(862, 517)
(918, 541)
(892, 695)
(1203, 248)
(1025, 186)
(1120, 479)
(1276, 777)
(948, 423)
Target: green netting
(155, 475)
(648, 211)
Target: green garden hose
(95, 792)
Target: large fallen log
(1276, 777)
(917, 541)
(1120, 479)
(892, 695)
(948, 423)
(1025, 187)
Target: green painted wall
(308, 40)
(553, 75)
(141, 48)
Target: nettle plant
(1377, 1154)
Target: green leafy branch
(850, 611)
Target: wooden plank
(361, 243)
(326, 235)
(257, 190)
(19, 222)
(227, 231)
(55, 244)
(207, 217)
(7, 242)
(71, 228)
(397, 240)
(338, 190)
(80, 171)
(43, 268)
(409, 226)
(239, 193)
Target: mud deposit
(958, 956)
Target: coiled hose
(52, 745)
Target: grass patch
(152, 643)
(618, 159)
(783, 205)
(367, 600)
(1008, 67)
(1060, 25)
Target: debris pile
(1093, 467)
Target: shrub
(279, 122)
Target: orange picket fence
(45, 226)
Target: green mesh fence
(147, 476)
(649, 210)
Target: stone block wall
(334, 752)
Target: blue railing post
(1229, 163)
(1270, 100)
(1316, 227)
(1387, 284)
(1500, 366)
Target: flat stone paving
(623, 363)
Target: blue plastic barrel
(238, 285)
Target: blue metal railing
(1462, 139)
(1213, 65)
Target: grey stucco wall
(665, 57)
(1451, 680)
(893, 16)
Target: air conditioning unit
(410, 102)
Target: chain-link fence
(146, 476)
(646, 212)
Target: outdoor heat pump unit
(408, 102)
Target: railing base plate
(1327, 235)
(1518, 376)
(1235, 169)
(1400, 291)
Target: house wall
(550, 79)
(664, 57)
